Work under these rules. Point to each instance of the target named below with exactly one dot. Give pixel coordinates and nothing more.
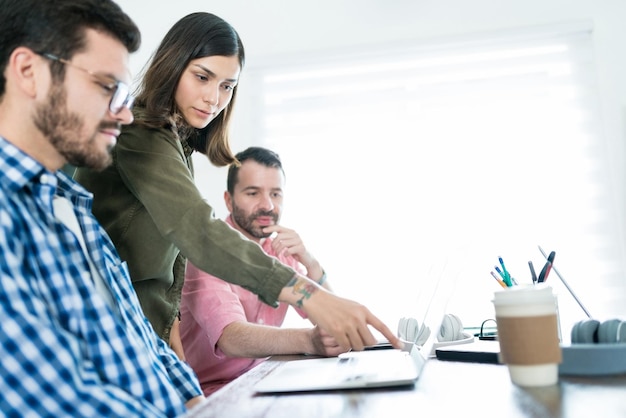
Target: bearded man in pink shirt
(225, 329)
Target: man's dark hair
(261, 155)
(58, 27)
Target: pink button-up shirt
(208, 305)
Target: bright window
(483, 147)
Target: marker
(533, 275)
(505, 279)
(499, 272)
(549, 269)
(499, 280)
(543, 276)
(506, 272)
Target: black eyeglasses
(120, 91)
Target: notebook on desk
(476, 352)
(372, 368)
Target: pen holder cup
(528, 332)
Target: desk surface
(446, 388)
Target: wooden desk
(445, 389)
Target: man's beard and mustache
(246, 222)
(63, 129)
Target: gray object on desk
(593, 359)
(578, 359)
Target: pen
(499, 280)
(543, 276)
(505, 279)
(551, 260)
(533, 275)
(506, 272)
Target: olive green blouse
(150, 206)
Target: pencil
(499, 280)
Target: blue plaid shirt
(64, 350)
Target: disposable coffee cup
(528, 333)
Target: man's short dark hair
(261, 155)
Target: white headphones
(451, 329)
(410, 330)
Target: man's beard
(63, 129)
(246, 222)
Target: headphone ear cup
(585, 331)
(611, 331)
(459, 327)
(451, 328)
(621, 332)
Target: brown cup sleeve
(529, 340)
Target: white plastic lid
(524, 294)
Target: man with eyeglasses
(73, 340)
(119, 91)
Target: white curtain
(483, 147)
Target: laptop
(374, 368)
